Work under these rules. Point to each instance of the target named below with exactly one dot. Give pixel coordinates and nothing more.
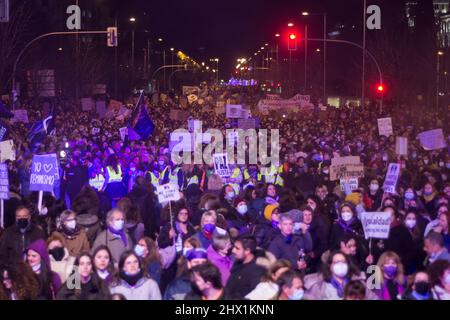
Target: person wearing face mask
(391, 277)
(375, 194)
(208, 225)
(420, 288)
(227, 196)
(152, 260)
(291, 286)
(219, 254)
(115, 236)
(36, 255)
(132, 174)
(16, 238)
(329, 284)
(408, 197)
(60, 260)
(411, 222)
(348, 223)
(428, 195)
(75, 239)
(240, 220)
(271, 194)
(133, 281)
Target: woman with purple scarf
(115, 236)
(391, 277)
(348, 223)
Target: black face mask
(22, 223)
(57, 253)
(422, 287)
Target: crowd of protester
(284, 233)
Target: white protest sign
(401, 146)
(123, 133)
(385, 127)
(221, 167)
(376, 224)
(234, 111)
(87, 104)
(391, 177)
(7, 151)
(168, 192)
(349, 184)
(432, 139)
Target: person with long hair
(89, 286)
(439, 272)
(18, 282)
(104, 264)
(391, 276)
(37, 257)
(133, 281)
(133, 221)
(148, 251)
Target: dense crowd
(286, 232)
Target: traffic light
(112, 37)
(292, 42)
(380, 89)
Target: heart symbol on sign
(37, 167)
(48, 167)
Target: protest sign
(349, 184)
(392, 174)
(234, 111)
(7, 151)
(4, 182)
(44, 172)
(385, 127)
(221, 167)
(168, 192)
(376, 224)
(100, 107)
(20, 116)
(276, 103)
(87, 104)
(432, 139)
(346, 171)
(401, 146)
(123, 133)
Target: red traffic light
(292, 36)
(380, 88)
(292, 42)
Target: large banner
(432, 139)
(275, 102)
(44, 172)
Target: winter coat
(145, 289)
(224, 264)
(92, 290)
(150, 212)
(76, 243)
(243, 279)
(340, 229)
(282, 248)
(114, 244)
(91, 226)
(178, 289)
(63, 268)
(13, 242)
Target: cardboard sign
(87, 104)
(20, 116)
(401, 146)
(346, 171)
(349, 184)
(168, 192)
(234, 111)
(391, 177)
(376, 224)
(7, 151)
(221, 167)
(44, 172)
(4, 182)
(123, 133)
(385, 127)
(432, 139)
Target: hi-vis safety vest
(247, 175)
(236, 175)
(192, 180)
(154, 180)
(173, 176)
(113, 175)
(97, 182)
(272, 175)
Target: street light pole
(439, 54)
(306, 57)
(364, 57)
(324, 59)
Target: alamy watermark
(73, 22)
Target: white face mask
(242, 209)
(374, 187)
(340, 269)
(346, 216)
(410, 223)
(118, 225)
(36, 267)
(71, 224)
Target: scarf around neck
(120, 234)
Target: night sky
(229, 29)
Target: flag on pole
(141, 124)
(39, 131)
